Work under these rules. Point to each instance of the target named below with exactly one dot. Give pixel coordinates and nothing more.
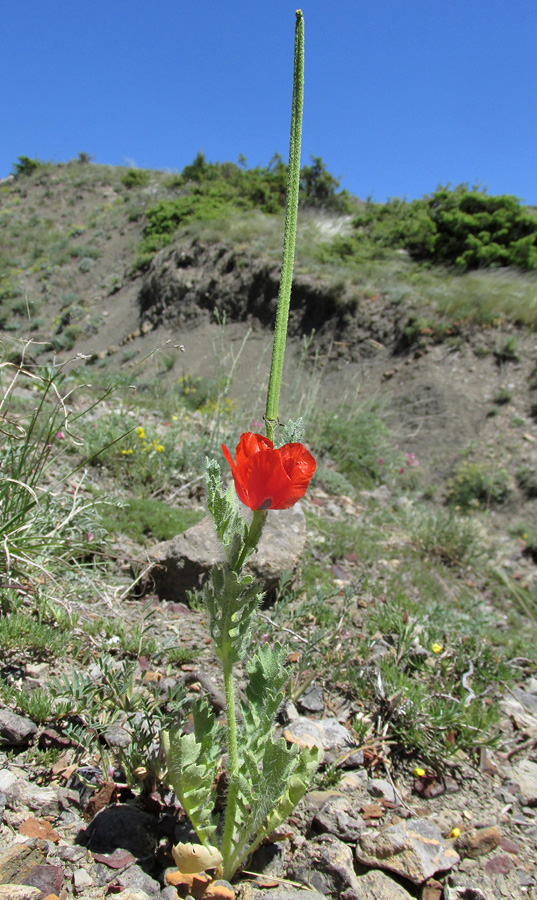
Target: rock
(478, 841)
(19, 892)
(48, 879)
(526, 698)
(499, 865)
(326, 734)
(17, 861)
(122, 826)
(464, 892)
(15, 730)
(523, 720)
(135, 879)
(39, 828)
(376, 885)
(81, 880)
(414, 849)
(184, 562)
(168, 893)
(379, 787)
(524, 774)
(117, 736)
(134, 895)
(326, 865)
(119, 859)
(338, 816)
(432, 890)
(311, 700)
(219, 890)
(285, 893)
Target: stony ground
(466, 831)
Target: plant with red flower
(266, 477)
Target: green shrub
(134, 178)
(464, 227)
(474, 484)
(360, 443)
(526, 477)
(26, 165)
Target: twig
(283, 628)
(466, 686)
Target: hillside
(145, 301)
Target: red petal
(239, 487)
(248, 445)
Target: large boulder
(184, 562)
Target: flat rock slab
(17, 861)
(184, 562)
(525, 775)
(19, 892)
(414, 849)
(15, 730)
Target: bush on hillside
(464, 227)
(211, 191)
(25, 165)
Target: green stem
(289, 240)
(251, 539)
(233, 760)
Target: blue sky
(401, 95)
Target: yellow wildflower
(437, 648)
(419, 773)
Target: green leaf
(192, 761)
(232, 601)
(230, 526)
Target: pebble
(379, 787)
(82, 880)
(478, 841)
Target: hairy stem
(233, 761)
(289, 240)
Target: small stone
(15, 730)
(17, 861)
(525, 775)
(134, 895)
(326, 865)
(338, 816)
(19, 892)
(509, 846)
(48, 879)
(219, 890)
(71, 854)
(432, 890)
(499, 865)
(478, 841)
(414, 849)
(379, 787)
(119, 859)
(312, 700)
(168, 893)
(39, 828)
(81, 880)
(137, 880)
(378, 885)
(285, 893)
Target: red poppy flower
(266, 478)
